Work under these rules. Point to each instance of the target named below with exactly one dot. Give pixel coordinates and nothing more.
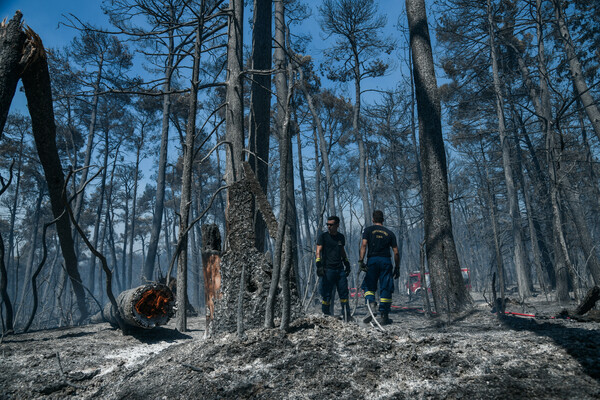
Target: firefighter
(333, 266)
(378, 240)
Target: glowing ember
(153, 303)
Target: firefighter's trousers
(334, 277)
(379, 271)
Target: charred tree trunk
(322, 144)
(36, 81)
(257, 269)
(241, 251)
(307, 234)
(12, 42)
(260, 106)
(523, 275)
(319, 208)
(4, 289)
(447, 282)
(32, 251)
(134, 211)
(90, 144)
(493, 208)
(157, 217)
(234, 112)
(186, 183)
(585, 238)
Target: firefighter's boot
(325, 308)
(385, 318)
(346, 314)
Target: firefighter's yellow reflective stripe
(343, 300)
(318, 259)
(383, 300)
(369, 293)
(325, 303)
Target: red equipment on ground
(414, 286)
(356, 292)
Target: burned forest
(300, 199)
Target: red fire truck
(414, 286)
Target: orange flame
(153, 303)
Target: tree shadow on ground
(157, 335)
(581, 344)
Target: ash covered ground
(473, 355)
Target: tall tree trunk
(32, 250)
(322, 144)
(319, 167)
(36, 81)
(260, 106)
(13, 209)
(4, 290)
(148, 270)
(234, 113)
(399, 213)
(186, 179)
(523, 275)
(90, 144)
(449, 291)
(582, 89)
(562, 263)
(493, 209)
(362, 153)
(585, 238)
(92, 268)
(413, 130)
(126, 222)
(541, 100)
(535, 248)
(284, 153)
(307, 234)
(134, 212)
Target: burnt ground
(473, 355)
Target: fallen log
(144, 307)
(589, 301)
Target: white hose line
(373, 316)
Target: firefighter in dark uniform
(333, 266)
(378, 240)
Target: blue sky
(45, 16)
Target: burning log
(144, 307)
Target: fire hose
(420, 310)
